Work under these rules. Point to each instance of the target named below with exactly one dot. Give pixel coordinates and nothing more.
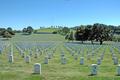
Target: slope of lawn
(47, 30)
(38, 37)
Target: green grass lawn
(47, 30)
(54, 70)
(38, 37)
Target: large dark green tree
(79, 34)
(24, 30)
(63, 30)
(6, 33)
(9, 29)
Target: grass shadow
(35, 73)
(117, 75)
(25, 34)
(86, 43)
(91, 75)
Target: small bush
(54, 32)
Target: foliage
(97, 32)
(54, 32)
(9, 29)
(35, 31)
(28, 30)
(70, 36)
(116, 38)
(1, 31)
(24, 30)
(6, 33)
(64, 31)
(17, 31)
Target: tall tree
(29, 29)
(9, 29)
(70, 36)
(6, 34)
(24, 30)
(79, 34)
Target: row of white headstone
(63, 59)
(27, 59)
(94, 69)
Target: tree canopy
(97, 32)
(6, 33)
(28, 30)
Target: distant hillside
(49, 30)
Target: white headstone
(94, 69)
(37, 51)
(82, 60)
(36, 55)
(76, 57)
(46, 60)
(30, 52)
(98, 61)
(27, 59)
(37, 68)
(63, 60)
(113, 56)
(62, 54)
(0, 51)
(93, 53)
(118, 70)
(72, 53)
(101, 57)
(115, 60)
(11, 58)
(79, 52)
(88, 57)
(22, 53)
(49, 55)
(11, 53)
(40, 52)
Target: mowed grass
(54, 70)
(38, 37)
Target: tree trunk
(91, 41)
(82, 42)
(101, 42)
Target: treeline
(96, 32)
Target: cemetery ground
(55, 48)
